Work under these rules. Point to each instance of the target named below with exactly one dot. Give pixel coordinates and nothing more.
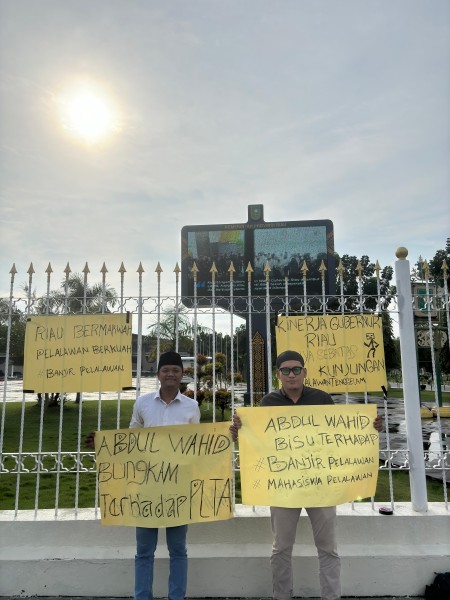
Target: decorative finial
(304, 269)
(377, 269)
(359, 269)
(401, 253)
(249, 272)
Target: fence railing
(43, 460)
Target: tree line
(355, 276)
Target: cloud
(314, 109)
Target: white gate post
(410, 384)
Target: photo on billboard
(219, 246)
(285, 249)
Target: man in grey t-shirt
(291, 373)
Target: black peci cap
(170, 358)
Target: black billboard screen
(284, 246)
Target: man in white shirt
(167, 406)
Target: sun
(88, 113)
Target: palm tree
(175, 324)
(76, 297)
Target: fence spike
(49, 269)
(177, 269)
(67, 270)
(377, 269)
(13, 270)
(304, 269)
(231, 271)
(86, 269)
(158, 268)
(122, 269)
(322, 269)
(140, 269)
(359, 269)
(213, 270)
(103, 270)
(31, 269)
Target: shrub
(200, 395)
(223, 399)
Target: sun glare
(88, 114)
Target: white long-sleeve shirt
(151, 411)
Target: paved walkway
(130, 598)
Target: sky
(196, 109)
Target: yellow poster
(307, 456)
(165, 476)
(78, 353)
(343, 353)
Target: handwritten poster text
(165, 476)
(307, 456)
(78, 353)
(343, 353)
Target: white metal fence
(43, 460)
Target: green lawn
(48, 496)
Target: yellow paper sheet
(343, 353)
(165, 476)
(307, 456)
(78, 353)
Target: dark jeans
(146, 541)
